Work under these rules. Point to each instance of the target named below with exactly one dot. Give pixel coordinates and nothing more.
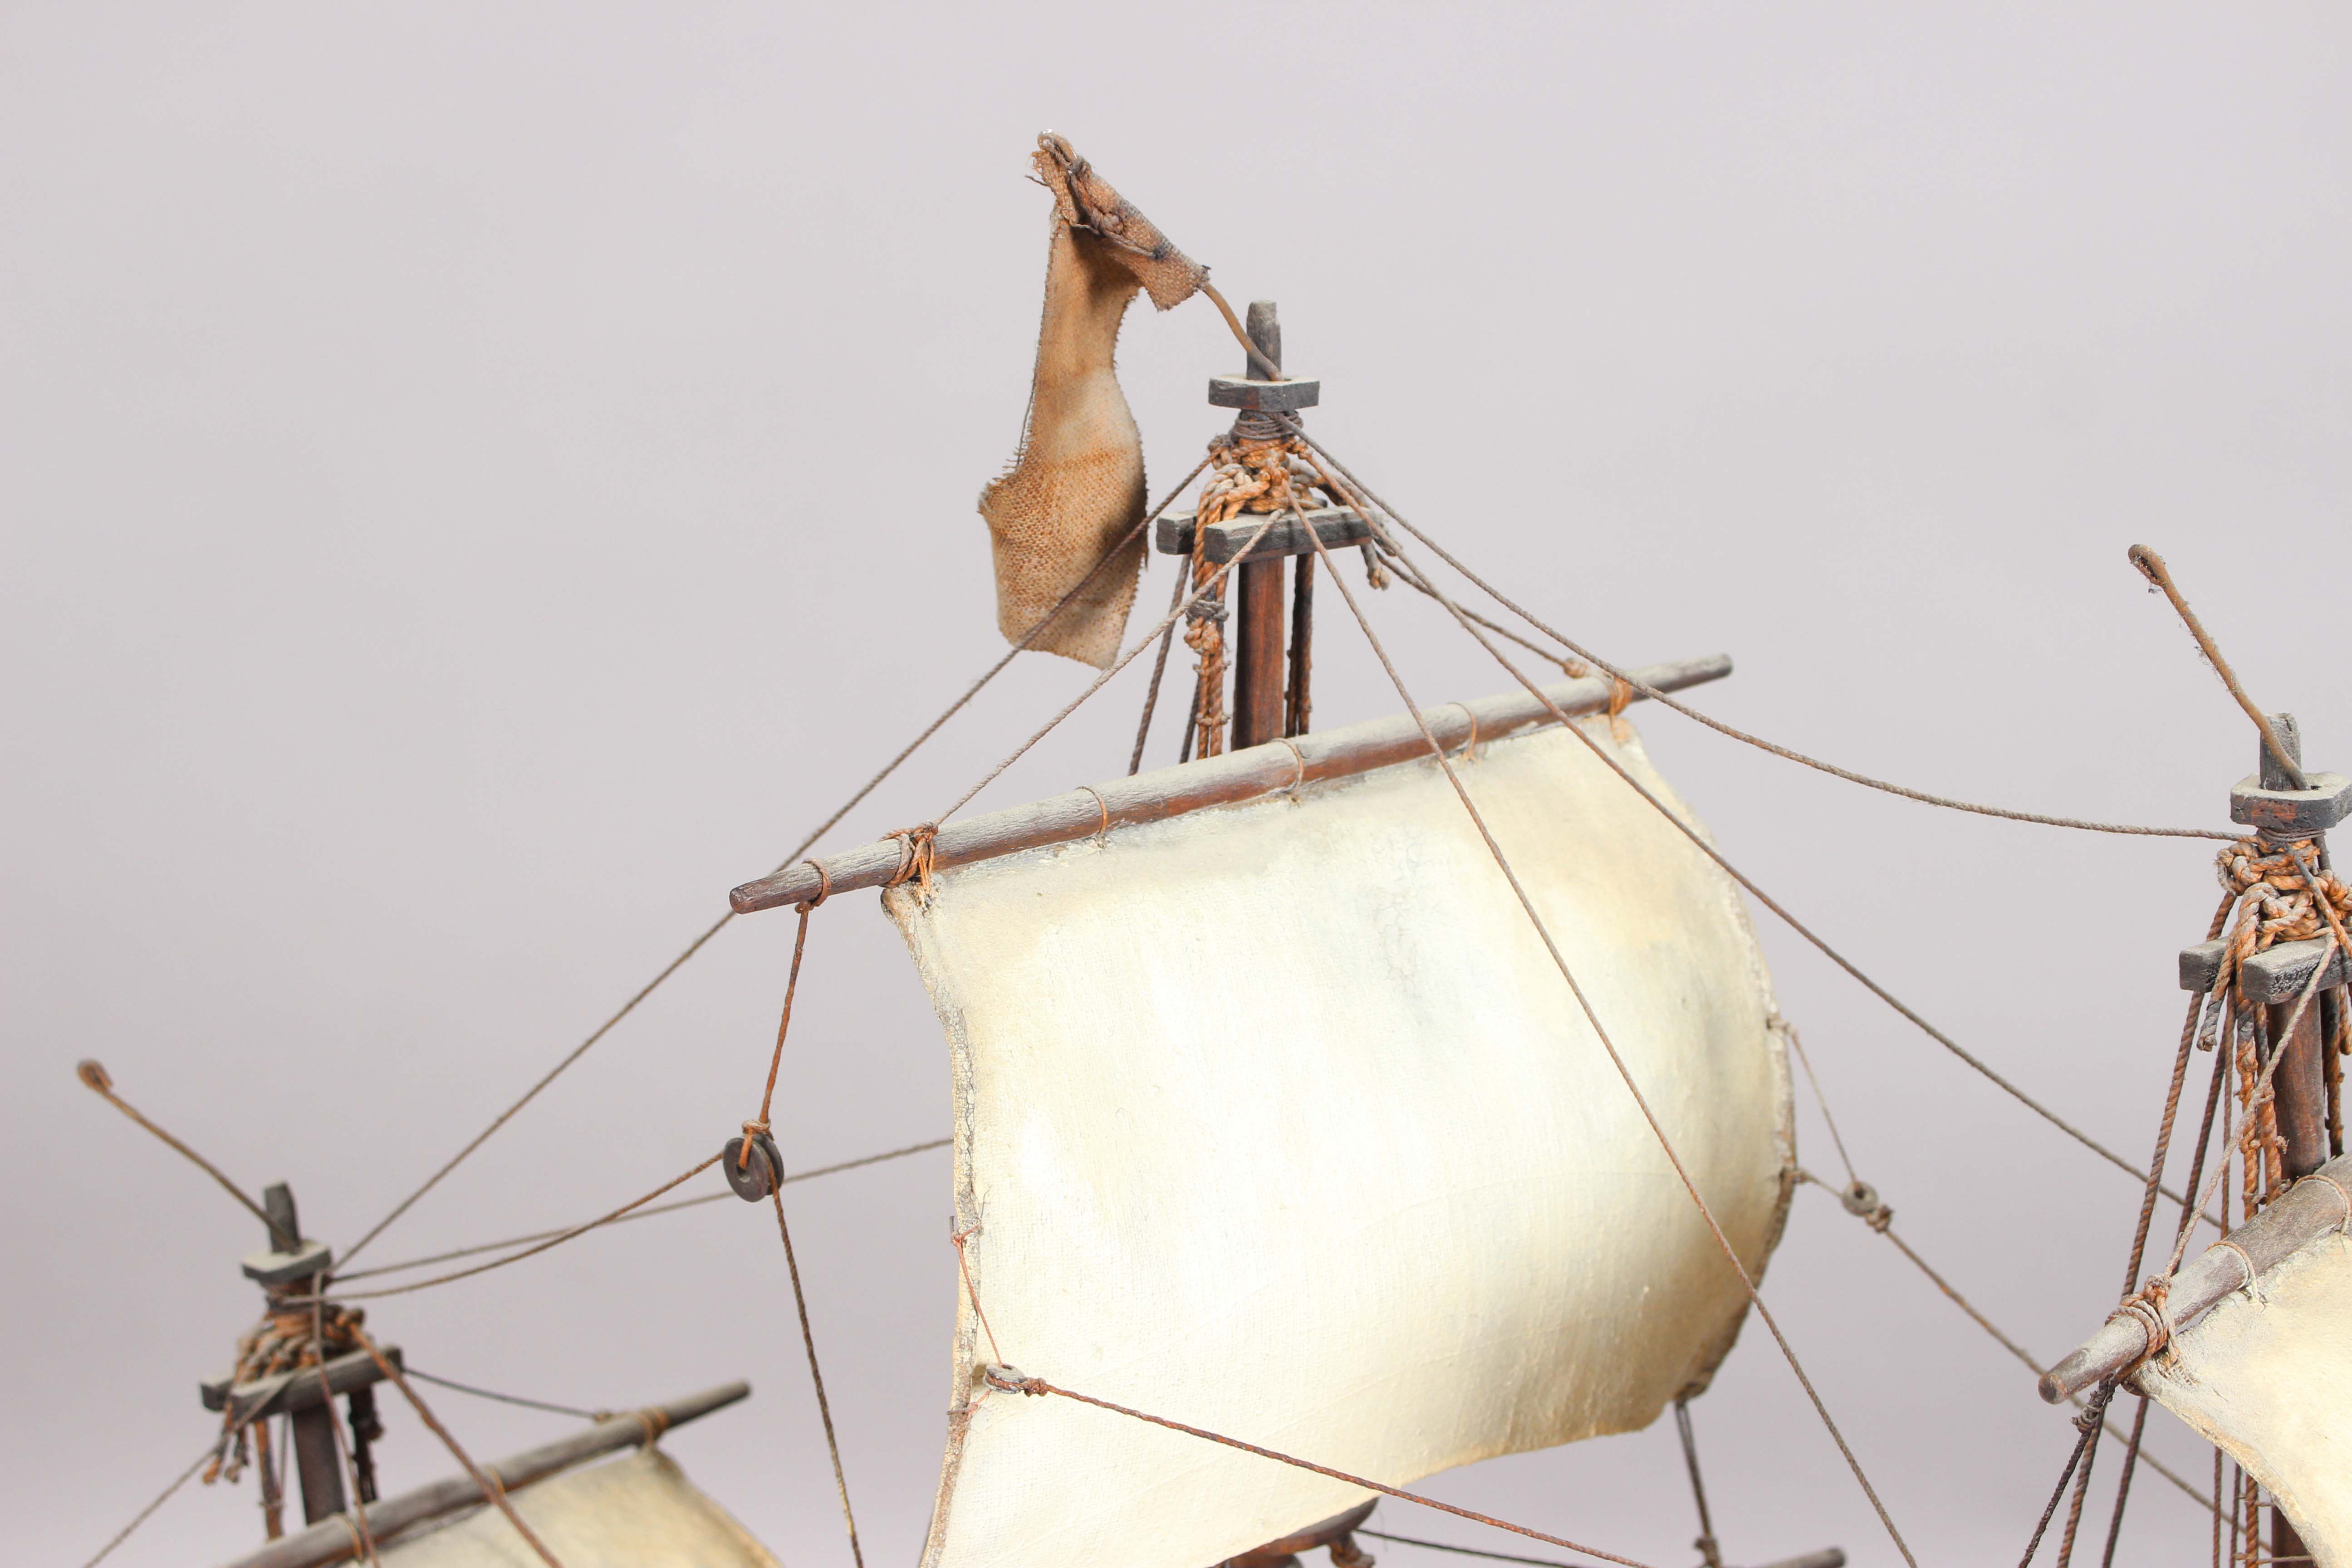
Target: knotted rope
(296, 1331)
(2147, 1305)
(917, 851)
(2274, 902)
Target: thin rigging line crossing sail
(1369, 500)
(1121, 1117)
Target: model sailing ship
(1336, 1108)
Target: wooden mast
(293, 1266)
(1258, 658)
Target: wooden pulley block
(755, 1177)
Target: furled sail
(1276, 1119)
(634, 1512)
(2267, 1374)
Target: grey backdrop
(481, 480)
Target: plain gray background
(481, 480)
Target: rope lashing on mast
(296, 1331)
(2277, 897)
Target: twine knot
(917, 851)
(1013, 1379)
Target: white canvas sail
(1277, 1120)
(2267, 1374)
(639, 1511)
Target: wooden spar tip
(2310, 1209)
(1238, 776)
(330, 1540)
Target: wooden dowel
(332, 1542)
(284, 1392)
(2307, 1211)
(1228, 780)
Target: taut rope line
(1669, 700)
(1200, 591)
(1012, 1381)
(636, 1214)
(492, 1493)
(816, 1376)
(161, 1499)
(555, 1240)
(822, 829)
(1591, 1017)
(1761, 897)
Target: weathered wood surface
(1338, 528)
(1229, 780)
(2307, 1211)
(317, 1462)
(2279, 974)
(331, 1541)
(1258, 656)
(288, 1391)
(1252, 395)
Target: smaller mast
(289, 1272)
(1257, 658)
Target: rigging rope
(1012, 1381)
(453, 1384)
(1467, 1551)
(1159, 669)
(1709, 850)
(1592, 1017)
(162, 1498)
(492, 1493)
(1668, 699)
(1709, 1551)
(809, 1176)
(556, 1240)
(1200, 591)
(1870, 1215)
(816, 1376)
(822, 829)
(98, 1081)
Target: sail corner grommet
(754, 1176)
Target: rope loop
(1298, 758)
(1470, 747)
(2147, 1305)
(1102, 805)
(823, 888)
(917, 853)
